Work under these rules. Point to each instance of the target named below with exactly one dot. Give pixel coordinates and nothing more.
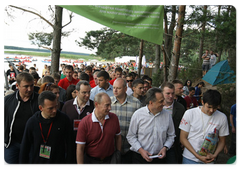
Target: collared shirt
(169, 109)
(98, 138)
(150, 132)
(78, 109)
(94, 119)
(124, 112)
(98, 89)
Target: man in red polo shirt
(97, 133)
(68, 80)
(118, 74)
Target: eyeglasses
(129, 80)
(49, 84)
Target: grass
(45, 54)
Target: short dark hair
(201, 83)
(137, 82)
(84, 76)
(88, 68)
(24, 76)
(56, 76)
(46, 95)
(84, 82)
(150, 95)
(48, 79)
(212, 97)
(191, 88)
(103, 74)
(177, 82)
(35, 75)
(69, 67)
(32, 68)
(118, 69)
(167, 84)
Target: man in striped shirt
(123, 106)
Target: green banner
(141, 21)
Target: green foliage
(192, 71)
(41, 38)
(111, 44)
(157, 78)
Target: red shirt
(90, 77)
(99, 143)
(190, 100)
(112, 81)
(92, 84)
(64, 83)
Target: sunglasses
(129, 80)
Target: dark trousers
(126, 158)
(232, 149)
(138, 159)
(91, 160)
(11, 154)
(171, 157)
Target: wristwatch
(166, 148)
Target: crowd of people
(209, 60)
(96, 115)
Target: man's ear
(40, 107)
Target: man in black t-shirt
(12, 74)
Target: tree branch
(25, 10)
(70, 20)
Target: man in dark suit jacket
(178, 92)
(176, 109)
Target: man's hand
(162, 152)
(145, 154)
(206, 159)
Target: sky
(16, 30)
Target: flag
(141, 21)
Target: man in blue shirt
(103, 85)
(232, 149)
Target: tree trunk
(177, 44)
(168, 44)
(57, 31)
(140, 58)
(164, 65)
(202, 34)
(157, 59)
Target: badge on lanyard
(45, 150)
(76, 123)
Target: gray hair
(98, 97)
(150, 95)
(123, 80)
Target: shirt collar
(115, 100)
(94, 118)
(169, 107)
(75, 102)
(150, 113)
(110, 87)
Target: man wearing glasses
(129, 79)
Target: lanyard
(45, 140)
(204, 128)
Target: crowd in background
(136, 120)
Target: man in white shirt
(151, 131)
(200, 122)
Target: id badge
(45, 151)
(76, 123)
